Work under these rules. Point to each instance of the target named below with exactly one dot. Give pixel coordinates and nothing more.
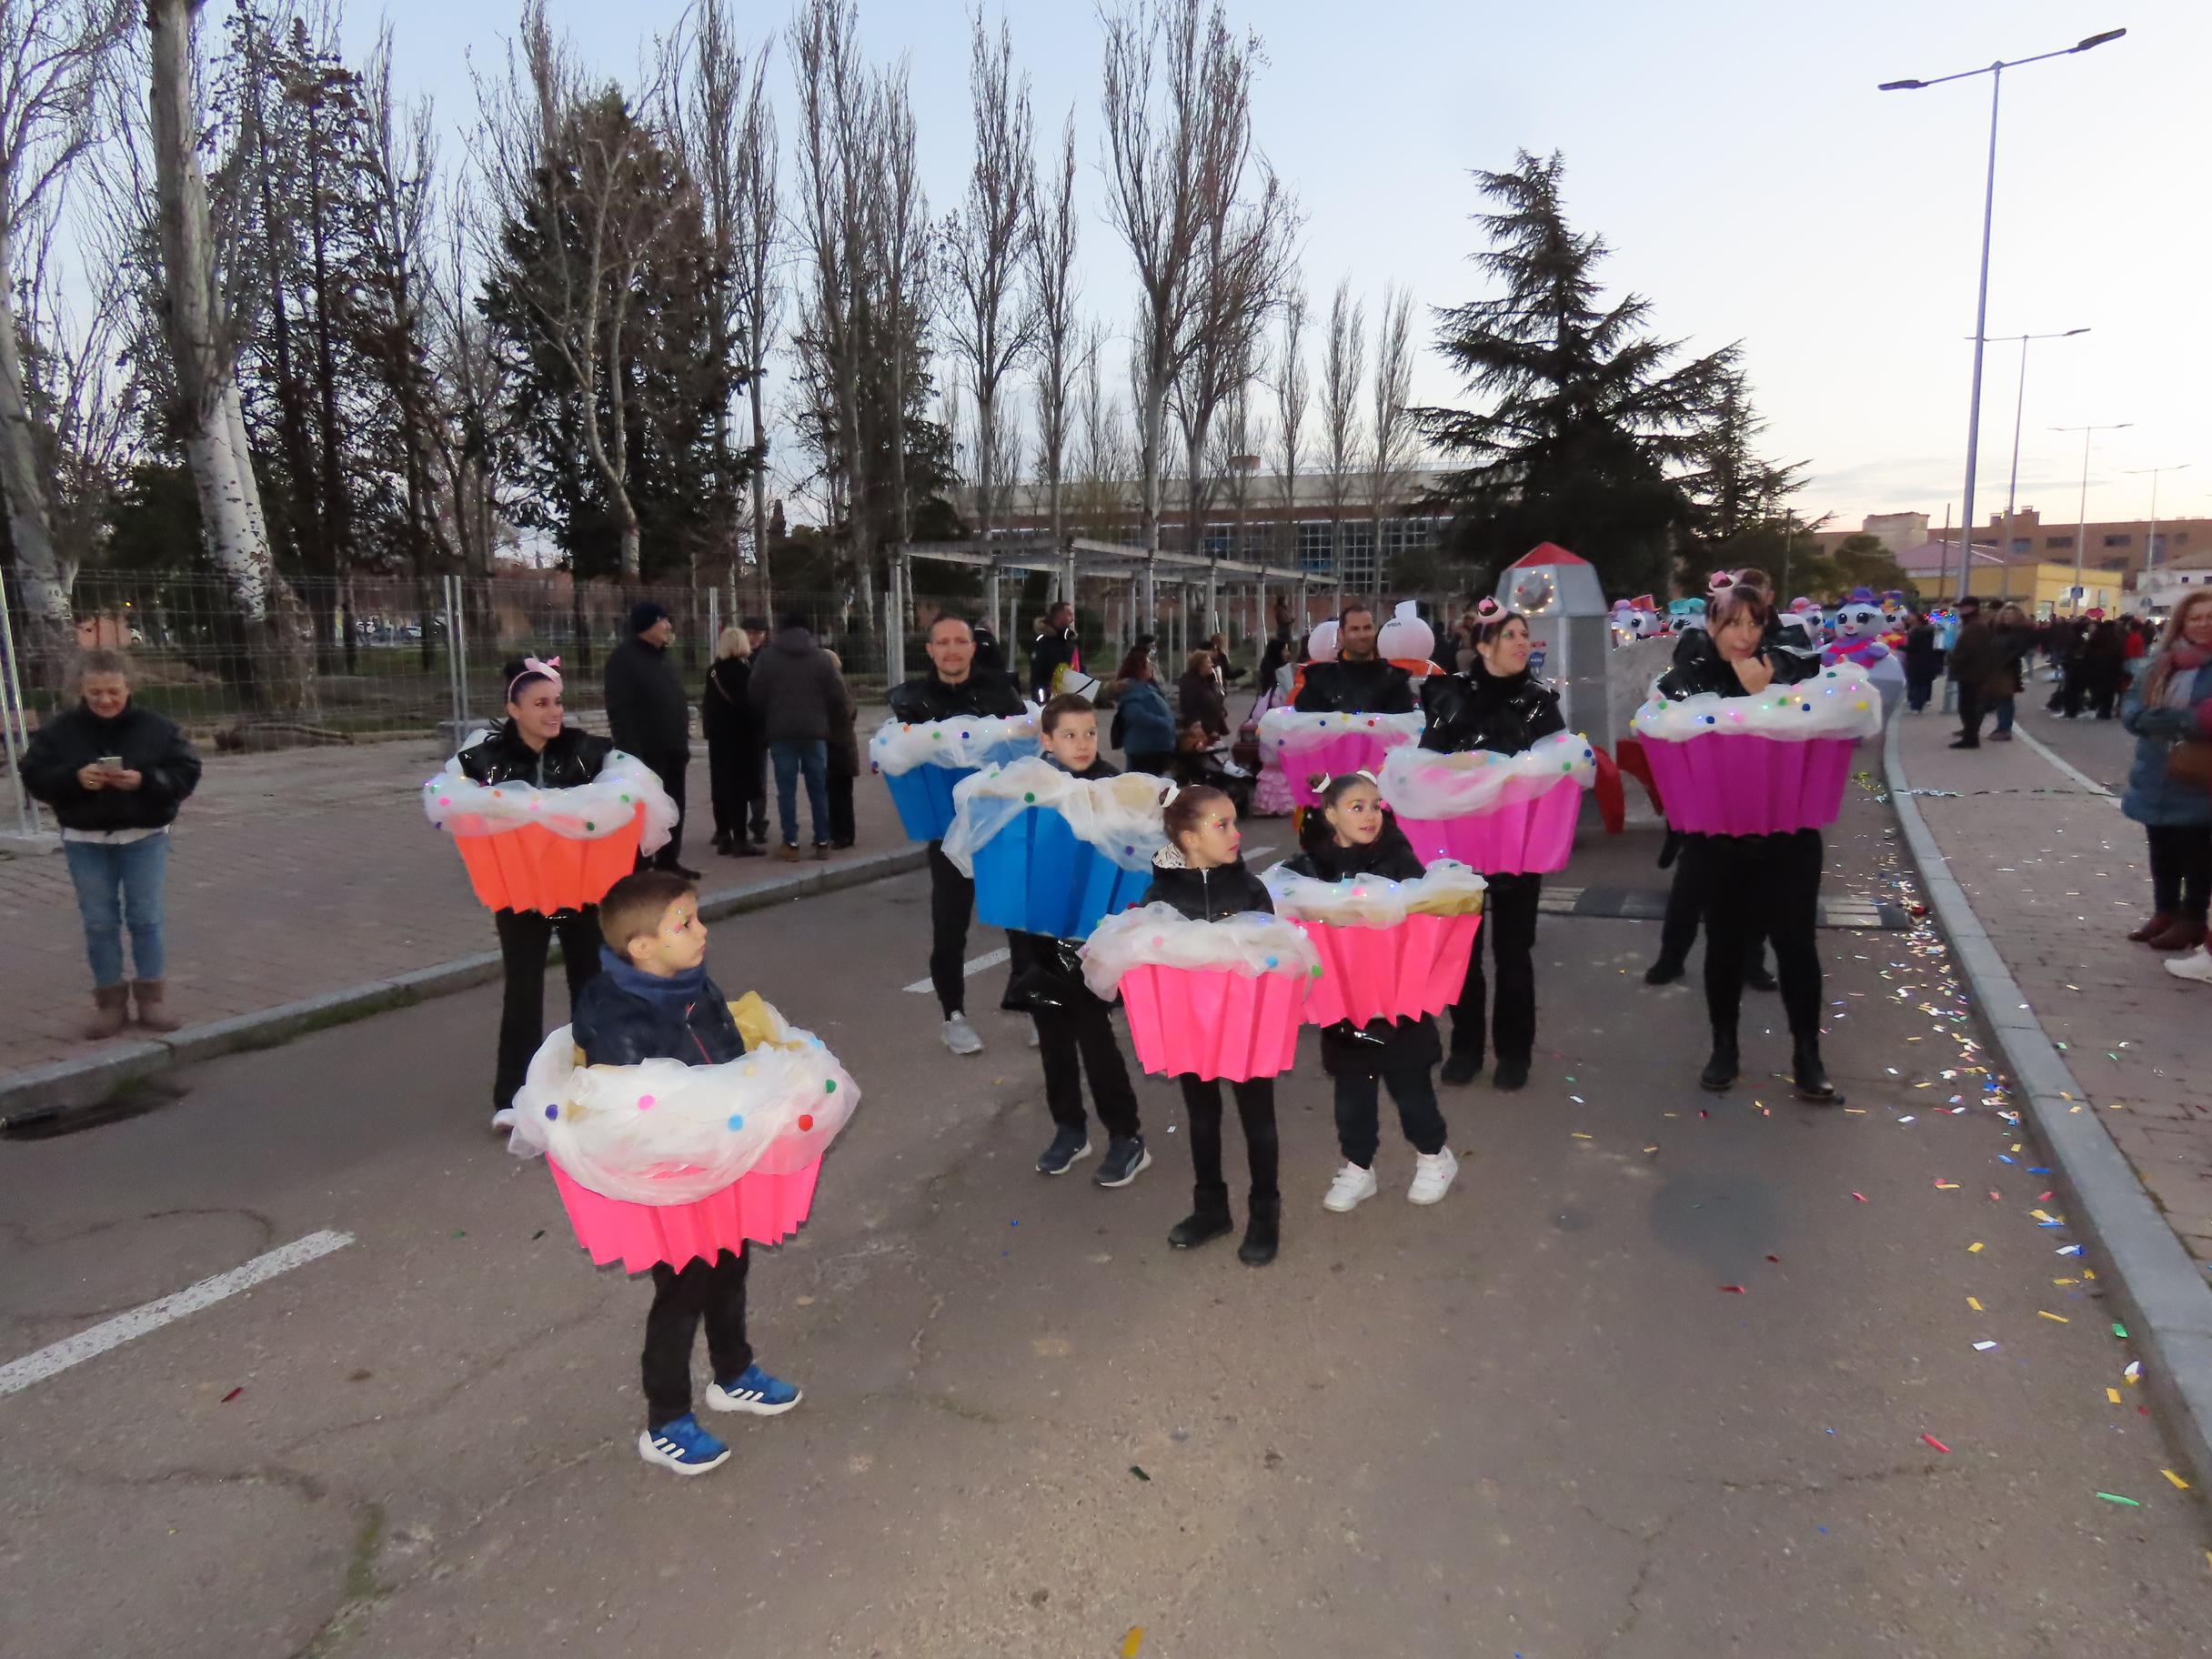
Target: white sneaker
(1432, 1175)
(2196, 965)
(1352, 1186)
(960, 1038)
(1035, 1042)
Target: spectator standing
(2170, 787)
(734, 755)
(1224, 670)
(756, 635)
(798, 695)
(2015, 642)
(648, 713)
(844, 763)
(1197, 695)
(1144, 724)
(1359, 681)
(114, 774)
(1974, 669)
(2103, 667)
(1922, 663)
(1054, 649)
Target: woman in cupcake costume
(1499, 705)
(1353, 836)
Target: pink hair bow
(1489, 611)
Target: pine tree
(1587, 426)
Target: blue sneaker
(683, 1445)
(754, 1391)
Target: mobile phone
(113, 763)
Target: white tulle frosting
(1279, 727)
(981, 740)
(1160, 936)
(1419, 783)
(1118, 816)
(583, 812)
(1837, 702)
(667, 1133)
(1448, 889)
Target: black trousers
(712, 1291)
(2180, 870)
(671, 770)
(951, 903)
(737, 783)
(757, 810)
(1509, 923)
(1359, 1112)
(1973, 709)
(1678, 928)
(1750, 882)
(525, 939)
(842, 827)
(1201, 1100)
(1075, 1039)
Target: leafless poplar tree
(1294, 392)
(1391, 426)
(471, 378)
(1052, 297)
(897, 220)
(1342, 365)
(991, 319)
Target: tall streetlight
(2081, 527)
(2019, 407)
(1996, 72)
(2150, 546)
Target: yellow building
(2041, 587)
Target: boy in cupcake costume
(653, 1000)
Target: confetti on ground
(1973, 1249)
(1773, 1258)
(1650, 1150)
(2060, 1318)
(2134, 1372)
(1975, 1305)
(234, 1393)
(2119, 1330)
(1860, 1196)
(1580, 1136)
(2114, 1497)
(1983, 1347)
(1946, 1186)
(1734, 1290)
(1133, 1642)
(1936, 1444)
(2179, 1484)
(2113, 1394)
(1139, 1473)
(2067, 1250)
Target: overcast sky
(1751, 181)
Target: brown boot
(147, 994)
(2158, 923)
(111, 1011)
(2179, 934)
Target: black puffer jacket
(980, 695)
(500, 756)
(1374, 687)
(647, 712)
(625, 1016)
(150, 744)
(1209, 895)
(796, 690)
(1381, 1045)
(1478, 709)
(1699, 667)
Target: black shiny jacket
(928, 697)
(1379, 1045)
(500, 756)
(1209, 895)
(1478, 709)
(1699, 667)
(1374, 687)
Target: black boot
(1209, 1219)
(1721, 1069)
(1810, 1076)
(1664, 971)
(1262, 1232)
(1462, 1066)
(1510, 1075)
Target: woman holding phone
(114, 774)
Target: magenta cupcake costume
(1761, 765)
(1506, 814)
(1212, 999)
(1388, 949)
(1302, 744)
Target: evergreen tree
(1588, 421)
(1736, 495)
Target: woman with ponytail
(533, 744)
(1496, 704)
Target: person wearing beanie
(648, 713)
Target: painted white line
(971, 968)
(2021, 731)
(19, 1374)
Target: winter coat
(1373, 687)
(1977, 662)
(500, 756)
(648, 713)
(1478, 709)
(2013, 644)
(1923, 656)
(1048, 652)
(1699, 667)
(979, 695)
(2152, 798)
(1379, 1045)
(1198, 697)
(726, 713)
(1207, 895)
(796, 690)
(1148, 724)
(150, 744)
(625, 1015)
(844, 735)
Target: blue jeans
(790, 757)
(2004, 710)
(119, 887)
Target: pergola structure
(1075, 557)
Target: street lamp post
(1996, 72)
(2150, 544)
(2081, 527)
(2019, 408)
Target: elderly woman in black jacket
(535, 744)
(1750, 883)
(1498, 705)
(736, 761)
(114, 774)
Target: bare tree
(54, 54)
(759, 240)
(1391, 426)
(1101, 464)
(991, 321)
(898, 219)
(1052, 297)
(1293, 393)
(1342, 365)
(470, 375)
(1177, 106)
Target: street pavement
(2057, 876)
(1665, 1375)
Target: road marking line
(48, 1361)
(971, 968)
(2071, 770)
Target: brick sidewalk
(297, 874)
(2057, 877)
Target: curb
(43, 1092)
(2164, 1296)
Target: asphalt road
(1535, 1420)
